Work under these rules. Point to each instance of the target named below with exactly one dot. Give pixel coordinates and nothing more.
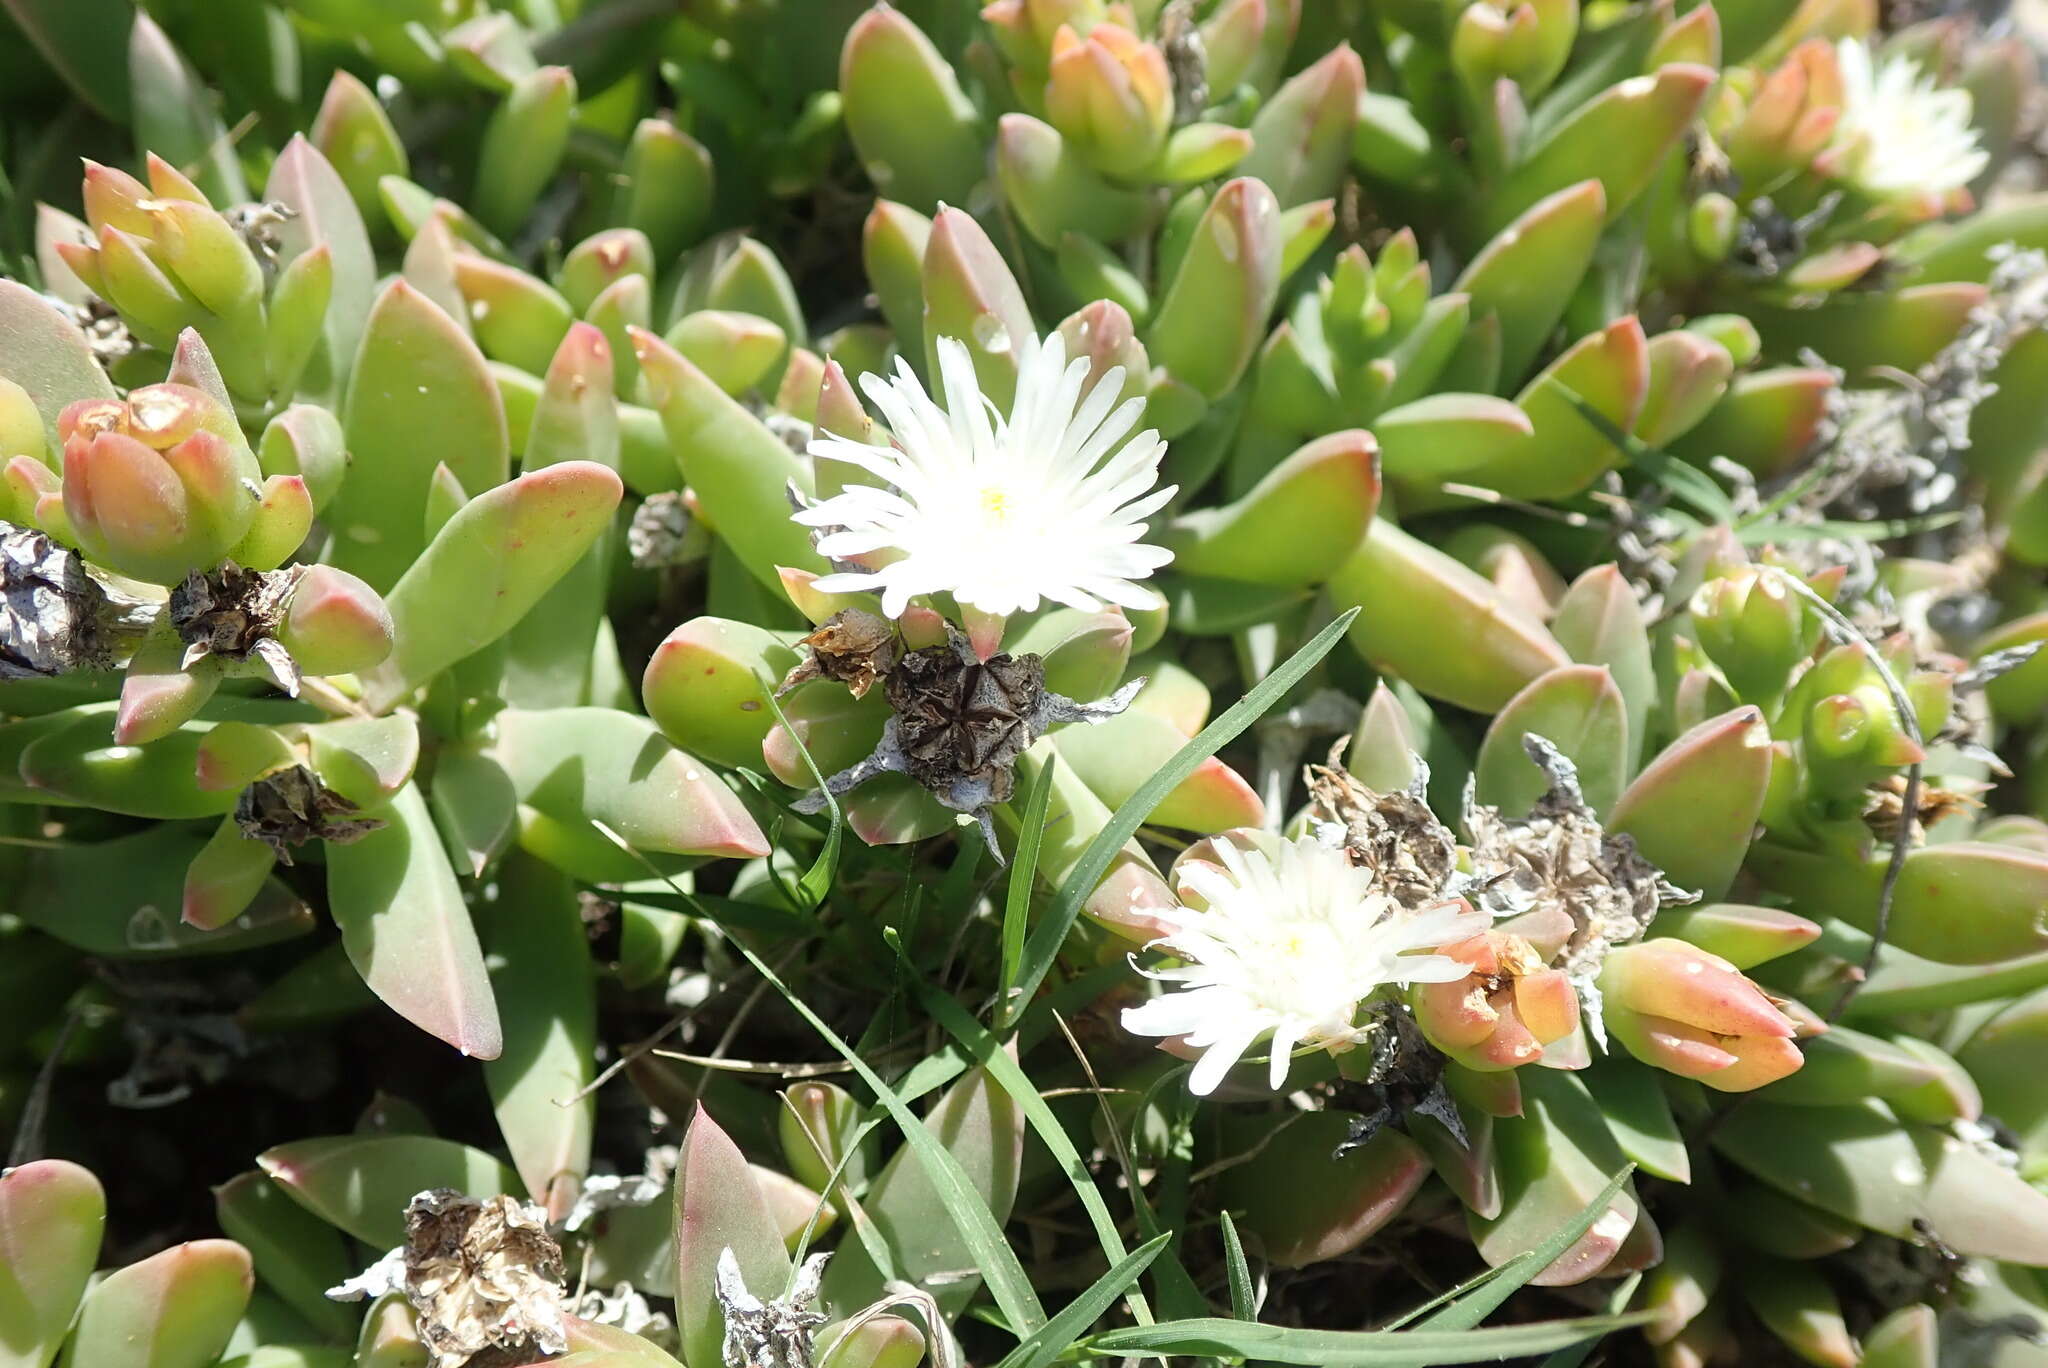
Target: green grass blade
(1042, 947)
(1577, 1353)
(989, 1053)
(1220, 1338)
(1680, 480)
(1024, 869)
(1243, 1305)
(994, 1259)
(1053, 1339)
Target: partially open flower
(1288, 941)
(1111, 94)
(1692, 1013)
(1002, 515)
(1900, 134)
(1503, 1012)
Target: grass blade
(1680, 480)
(989, 1053)
(996, 1261)
(1220, 1338)
(1577, 1353)
(1042, 947)
(1023, 870)
(1243, 1304)
(1052, 1339)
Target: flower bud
(113, 199)
(1103, 333)
(160, 485)
(1755, 629)
(1681, 1009)
(1111, 95)
(335, 623)
(1504, 1012)
(207, 257)
(1790, 117)
(1024, 30)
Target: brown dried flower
(234, 614)
(486, 1279)
(1884, 805)
(1412, 855)
(290, 807)
(958, 724)
(852, 647)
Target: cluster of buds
(1849, 725)
(1757, 629)
(167, 260)
(159, 485)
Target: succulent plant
(849, 684)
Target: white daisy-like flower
(1289, 945)
(1902, 133)
(1002, 513)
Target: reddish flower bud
(1692, 1013)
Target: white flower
(1901, 131)
(1290, 944)
(999, 513)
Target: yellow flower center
(996, 505)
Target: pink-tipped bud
(113, 198)
(127, 507)
(1111, 95)
(1675, 1006)
(336, 624)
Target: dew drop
(881, 173)
(149, 929)
(364, 533)
(991, 336)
